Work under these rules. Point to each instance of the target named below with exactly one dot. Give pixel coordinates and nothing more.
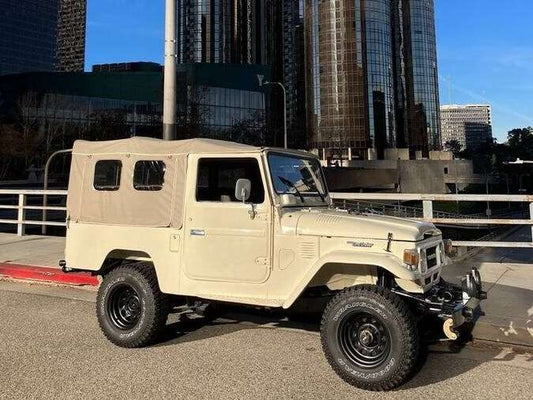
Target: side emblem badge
(361, 244)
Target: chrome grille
(431, 257)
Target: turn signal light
(411, 258)
(448, 246)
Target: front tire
(131, 310)
(369, 338)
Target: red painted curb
(43, 274)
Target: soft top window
(107, 175)
(149, 175)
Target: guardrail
(428, 214)
(18, 201)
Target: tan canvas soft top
(143, 145)
(128, 206)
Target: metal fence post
(531, 217)
(21, 229)
(428, 209)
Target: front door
(227, 240)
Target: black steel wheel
(364, 339)
(370, 338)
(131, 309)
(124, 306)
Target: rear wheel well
(119, 257)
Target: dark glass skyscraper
(222, 31)
(28, 34)
(371, 76)
(263, 32)
(71, 35)
(42, 35)
(418, 41)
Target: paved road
(51, 347)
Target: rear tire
(369, 338)
(131, 310)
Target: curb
(47, 274)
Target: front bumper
(454, 304)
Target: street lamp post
(265, 83)
(169, 95)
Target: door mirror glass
(243, 188)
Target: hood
(340, 224)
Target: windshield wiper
(289, 184)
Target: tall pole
(169, 95)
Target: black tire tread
(411, 339)
(161, 302)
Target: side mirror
(243, 189)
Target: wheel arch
(341, 269)
(118, 257)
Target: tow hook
(447, 327)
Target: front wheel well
(338, 276)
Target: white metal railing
(17, 200)
(429, 215)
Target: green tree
(454, 146)
(520, 143)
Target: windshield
(301, 177)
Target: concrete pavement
(51, 347)
(506, 273)
(44, 251)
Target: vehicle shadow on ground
(188, 327)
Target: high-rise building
(371, 76)
(417, 74)
(42, 35)
(222, 31)
(71, 30)
(261, 32)
(469, 125)
(28, 35)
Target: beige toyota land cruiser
(211, 222)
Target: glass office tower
(371, 76)
(253, 32)
(71, 35)
(223, 31)
(28, 34)
(418, 41)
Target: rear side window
(217, 178)
(107, 175)
(149, 175)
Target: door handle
(197, 232)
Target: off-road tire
(140, 279)
(395, 322)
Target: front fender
(385, 261)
